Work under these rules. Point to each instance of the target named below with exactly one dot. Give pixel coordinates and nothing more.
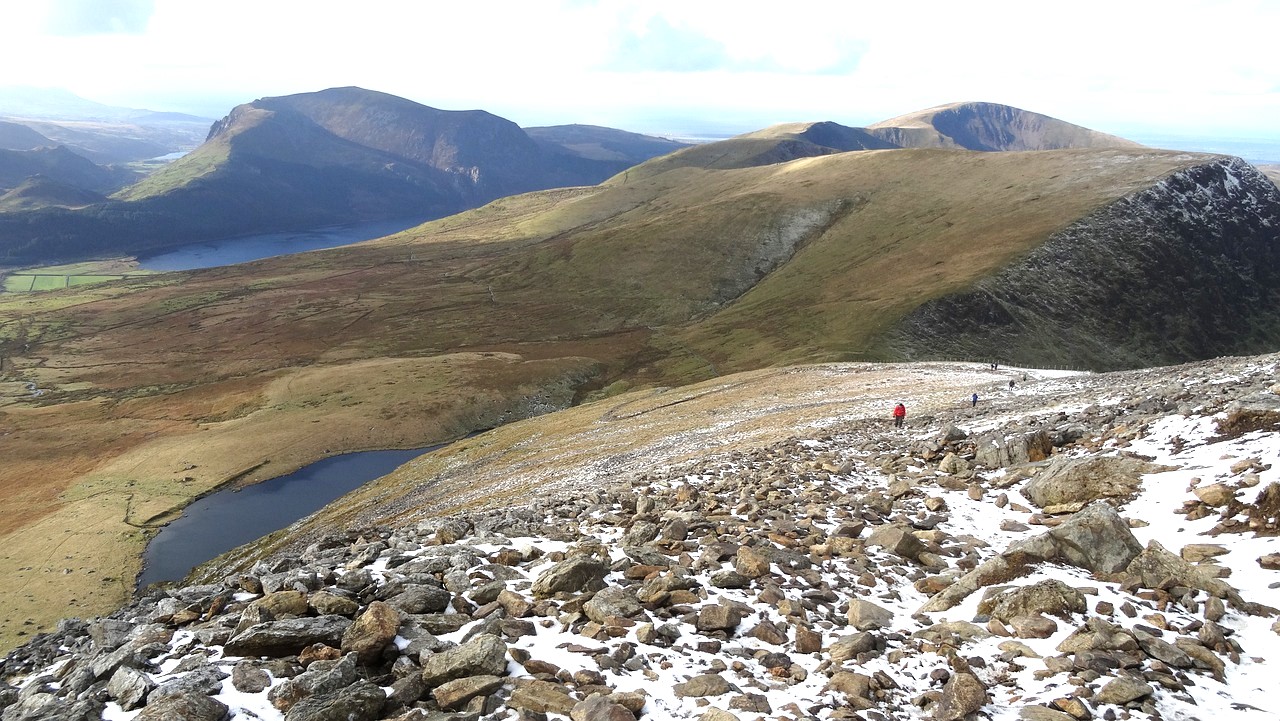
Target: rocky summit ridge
(1070, 547)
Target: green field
(55, 277)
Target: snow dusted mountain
(1067, 547)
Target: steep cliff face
(1186, 269)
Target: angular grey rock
(190, 706)
(452, 694)
(1071, 480)
(484, 655)
(718, 617)
(996, 451)
(205, 679)
(129, 687)
(288, 637)
(599, 708)
(1051, 597)
(419, 598)
(575, 575)
(1096, 538)
(1161, 650)
(612, 601)
(848, 647)
(249, 678)
(1122, 690)
(361, 701)
(322, 677)
(867, 616)
(896, 540)
(640, 533)
(371, 632)
(962, 695)
(707, 684)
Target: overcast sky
(1195, 67)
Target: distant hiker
(899, 415)
(974, 400)
(1011, 384)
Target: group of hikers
(900, 410)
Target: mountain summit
(990, 127)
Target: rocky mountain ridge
(1085, 296)
(1069, 547)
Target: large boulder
(997, 451)
(896, 540)
(1157, 567)
(484, 655)
(613, 601)
(188, 707)
(1096, 538)
(962, 695)
(1082, 480)
(288, 637)
(1051, 597)
(579, 574)
(361, 701)
(372, 631)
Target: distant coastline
(1259, 151)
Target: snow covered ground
(792, 501)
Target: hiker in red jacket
(899, 415)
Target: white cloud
(1177, 65)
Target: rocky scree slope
(1187, 268)
(862, 573)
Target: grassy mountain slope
(41, 192)
(14, 136)
(61, 165)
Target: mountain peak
(979, 125)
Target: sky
(675, 67)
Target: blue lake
(229, 518)
(213, 253)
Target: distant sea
(1259, 151)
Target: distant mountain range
(349, 154)
(58, 104)
(330, 157)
